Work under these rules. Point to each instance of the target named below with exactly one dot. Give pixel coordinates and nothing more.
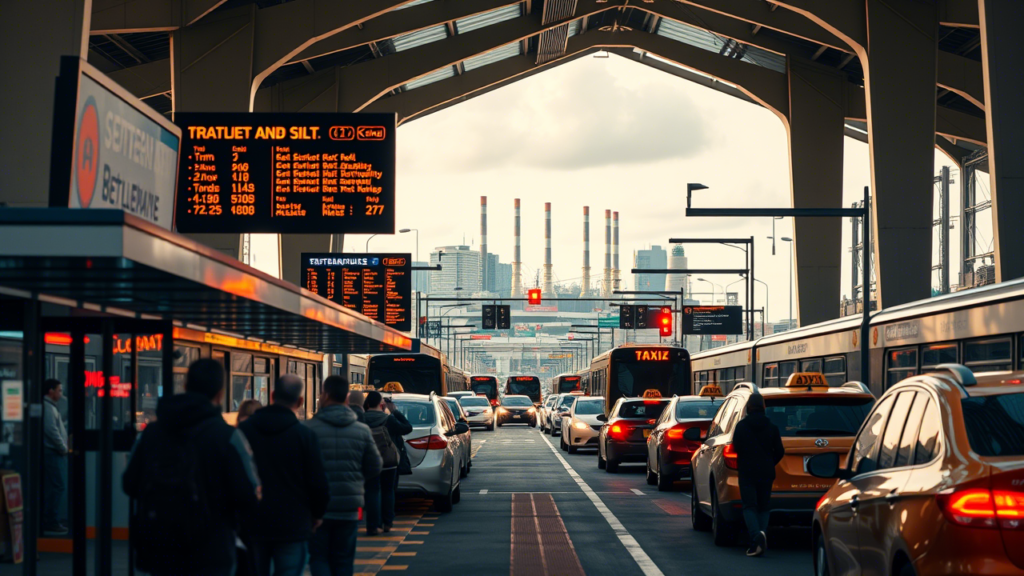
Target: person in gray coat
(55, 454)
(350, 458)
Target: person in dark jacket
(350, 457)
(295, 491)
(355, 403)
(380, 491)
(758, 448)
(193, 479)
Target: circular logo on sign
(821, 442)
(874, 336)
(689, 310)
(87, 153)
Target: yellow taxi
(812, 418)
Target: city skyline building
(653, 257)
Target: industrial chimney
(585, 287)
(548, 289)
(606, 280)
(615, 251)
(485, 283)
(517, 277)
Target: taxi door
(701, 460)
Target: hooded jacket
(350, 457)
(295, 491)
(359, 412)
(758, 447)
(398, 425)
(224, 469)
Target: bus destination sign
(303, 173)
(379, 286)
(712, 319)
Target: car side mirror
(693, 434)
(827, 466)
(602, 418)
(461, 428)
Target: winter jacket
(224, 469)
(397, 425)
(758, 447)
(295, 491)
(55, 436)
(350, 457)
(359, 412)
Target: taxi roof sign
(807, 380)
(712, 390)
(652, 393)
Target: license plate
(647, 433)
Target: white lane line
(637, 492)
(647, 566)
(484, 491)
(481, 441)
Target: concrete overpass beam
(1002, 53)
(816, 121)
(126, 16)
(145, 80)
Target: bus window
(740, 375)
(785, 369)
(936, 354)
(900, 364)
(771, 375)
(835, 370)
(988, 355)
(810, 365)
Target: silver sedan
(478, 411)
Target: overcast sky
(608, 133)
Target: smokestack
(585, 288)
(548, 289)
(517, 278)
(606, 280)
(615, 251)
(484, 281)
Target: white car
(559, 411)
(466, 438)
(479, 411)
(544, 412)
(581, 428)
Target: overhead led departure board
(300, 173)
(378, 286)
(712, 320)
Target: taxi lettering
(651, 355)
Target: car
(560, 411)
(812, 418)
(581, 428)
(461, 394)
(668, 453)
(544, 412)
(623, 437)
(433, 447)
(466, 439)
(517, 409)
(478, 411)
(934, 482)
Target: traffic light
(504, 317)
(641, 317)
(665, 321)
(489, 320)
(626, 317)
(533, 296)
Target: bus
(565, 383)
(524, 385)
(630, 370)
(486, 385)
(419, 373)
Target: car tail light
(730, 457)
(674, 434)
(821, 501)
(676, 443)
(618, 431)
(982, 508)
(432, 442)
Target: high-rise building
(460, 268)
(421, 279)
(499, 277)
(656, 257)
(678, 261)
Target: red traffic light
(665, 321)
(533, 296)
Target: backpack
(172, 514)
(385, 445)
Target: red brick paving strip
(540, 542)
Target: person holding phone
(387, 425)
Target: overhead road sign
(110, 150)
(378, 286)
(301, 173)
(712, 319)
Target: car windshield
(474, 401)
(642, 409)
(803, 416)
(697, 410)
(566, 402)
(589, 407)
(517, 401)
(453, 405)
(995, 424)
(418, 413)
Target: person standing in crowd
(295, 492)
(350, 457)
(193, 480)
(55, 457)
(355, 402)
(759, 448)
(246, 409)
(387, 426)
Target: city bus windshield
(568, 384)
(528, 387)
(633, 378)
(486, 387)
(413, 380)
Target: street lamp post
(368, 242)
(712, 289)
(763, 316)
(417, 231)
(789, 321)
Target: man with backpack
(192, 478)
(387, 425)
(350, 457)
(295, 492)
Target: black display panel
(378, 286)
(712, 320)
(301, 173)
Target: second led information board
(712, 320)
(301, 173)
(378, 286)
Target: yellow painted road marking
(379, 561)
(423, 533)
(376, 549)
(412, 542)
(419, 525)
(394, 567)
(404, 554)
(380, 539)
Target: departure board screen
(713, 320)
(301, 173)
(378, 286)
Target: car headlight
(531, 411)
(502, 411)
(580, 425)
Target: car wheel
(464, 471)
(821, 557)
(490, 427)
(612, 465)
(721, 530)
(499, 423)
(652, 478)
(568, 445)
(601, 463)
(701, 521)
(561, 443)
(533, 424)
(664, 481)
(444, 503)
(457, 494)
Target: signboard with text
(378, 286)
(302, 173)
(712, 319)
